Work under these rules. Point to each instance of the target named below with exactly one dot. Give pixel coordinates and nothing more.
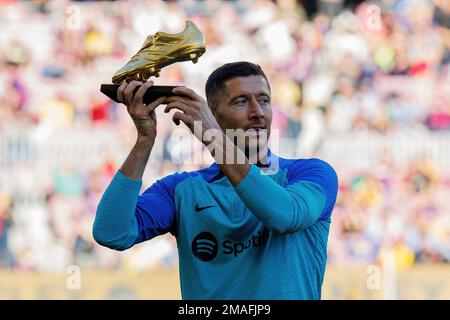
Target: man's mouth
(256, 131)
(256, 128)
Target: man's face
(246, 104)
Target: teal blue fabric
(265, 238)
(115, 223)
(297, 206)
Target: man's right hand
(144, 116)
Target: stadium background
(364, 85)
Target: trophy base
(153, 93)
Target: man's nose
(255, 110)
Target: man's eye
(264, 100)
(240, 102)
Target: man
(241, 233)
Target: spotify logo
(204, 246)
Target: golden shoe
(160, 50)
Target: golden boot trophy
(158, 51)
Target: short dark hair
(216, 80)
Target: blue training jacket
(265, 238)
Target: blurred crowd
(338, 70)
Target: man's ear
(213, 110)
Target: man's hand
(144, 116)
(195, 108)
(192, 108)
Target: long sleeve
(115, 224)
(125, 218)
(310, 195)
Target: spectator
(336, 71)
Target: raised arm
(116, 224)
(309, 195)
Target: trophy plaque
(158, 51)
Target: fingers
(187, 92)
(128, 92)
(120, 91)
(152, 106)
(179, 116)
(186, 96)
(126, 95)
(176, 105)
(138, 97)
(179, 99)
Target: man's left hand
(192, 108)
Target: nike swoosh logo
(197, 208)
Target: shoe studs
(193, 57)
